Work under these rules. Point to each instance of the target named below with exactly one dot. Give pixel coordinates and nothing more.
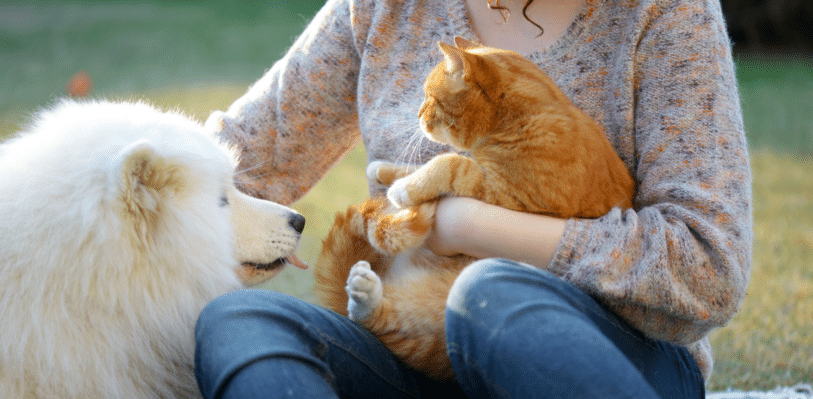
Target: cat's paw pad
(399, 195)
(364, 290)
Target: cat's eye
(224, 200)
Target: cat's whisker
(396, 136)
(421, 139)
(412, 149)
(416, 144)
(250, 168)
(256, 177)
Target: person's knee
(481, 271)
(241, 302)
(489, 278)
(486, 289)
(240, 327)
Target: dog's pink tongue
(292, 259)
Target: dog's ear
(146, 178)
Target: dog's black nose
(297, 222)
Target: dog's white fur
(118, 223)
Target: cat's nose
(297, 222)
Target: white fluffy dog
(118, 223)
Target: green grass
(202, 57)
(131, 47)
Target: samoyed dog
(118, 224)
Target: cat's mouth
(438, 134)
(443, 135)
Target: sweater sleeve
(300, 118)
(677, 265)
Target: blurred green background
(130, 47)
(201, 56)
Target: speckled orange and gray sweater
(657, 74)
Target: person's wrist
(464, 221)
(443, 240)
(458, 216)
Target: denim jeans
(520, 332)
(263, 344)
(512, 331)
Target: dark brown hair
(503, 11)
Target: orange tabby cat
(531, 150)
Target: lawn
(200, 58)
(769, 341)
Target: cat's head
(474, 90)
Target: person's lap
(512, 332)
(257, 341)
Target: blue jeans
(513, 332)
(263, 344)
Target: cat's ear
(464, 44)
(455, 59)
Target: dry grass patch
(769, 342)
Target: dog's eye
(224, 200)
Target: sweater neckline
(578, 26)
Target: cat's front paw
(386, 173)
(372, 171)
(364, 290)
(399, 195)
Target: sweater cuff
(573, 237)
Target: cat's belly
(403, 268)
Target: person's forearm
(474, 228)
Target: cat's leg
(386, 173)
(345, 244)
(365, 291)
(401, 229)
(448, 174)
(410, 321)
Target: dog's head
(133, 189)
(183, 176)
(266, 234)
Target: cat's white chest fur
(403, 269)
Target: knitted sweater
(656, 74)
